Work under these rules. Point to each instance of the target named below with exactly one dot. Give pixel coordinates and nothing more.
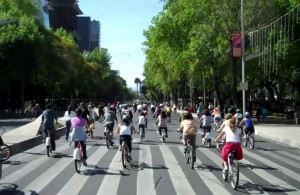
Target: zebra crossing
(156, 169)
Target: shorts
(249, 130)
(232, 146)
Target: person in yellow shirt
(168, 111)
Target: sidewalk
(27, 136)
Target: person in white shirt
(69, 114)
(126, 129)
(142, 123)
(233, 141)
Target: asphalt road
(157, 168)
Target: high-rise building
(43, 14)
(63, 13)
(95, 35)
(84, 33)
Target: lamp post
(243, 54)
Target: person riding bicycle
(162, 121)
(78, 134)
(247, 121)
(205, 120)
(168, 111)
(189, 131)
(239, 116)
(142, 122)
(233, 141)
(128, 113)
(109, 120)
(126, 129)
(49, 116)
(158, 111)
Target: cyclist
(239, 116)
(158, 111)
(126, 129)
(78, 134)
(226, 122)
(168, 110)
(247, 121)
(162, 121)
(189, 131)
(128, 113)
(92, 115)
(48, 118)
(142, 122)
(233, 141)
(146, 116)
(109, 120)
(205, 120)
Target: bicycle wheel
(124, 155)
(224, 174)
(234, 175)
(108, 142)
(48, 150)
(245, 140)
(187, 154)
(191, 158)
(5, 152)
(78, 164)
(251, 142)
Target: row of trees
(38, 63)
(191, 40)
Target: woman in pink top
(162, 121)
(78, 134)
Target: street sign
(244, 86)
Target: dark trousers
(142, 128)
(161, 128)
(128, 139)
(68, 126)
(83, 148)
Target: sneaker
(84, 163)
(104, 133)
(120, 148)
(225, 170)
(138, 132)
(111, 142)
(159, 136)
(166, 136)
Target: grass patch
(58, 125)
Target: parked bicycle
(5, 150)
(188, 152)
(78, 157)
(126, 159)
(233, 170)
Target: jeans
(161, 128)
(68, 126)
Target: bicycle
(125, 152)
(188, 152)
(108, 136)
(78, 157)
(142, 133)
(163, 135)
(233, 170)
(248, 139)
(5, 150)
(48, 143)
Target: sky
(122, 26)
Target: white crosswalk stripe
(145, 182)
(78, 180)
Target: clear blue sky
(122, 25)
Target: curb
(30, 143)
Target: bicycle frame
(233, 170)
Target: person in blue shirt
(247, 123)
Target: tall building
(43, 14)
(95, 35)
(84, 33)
(63, 13)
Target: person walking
(69, 114)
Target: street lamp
(243, 55)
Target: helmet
(247, 113)
(238, 110)
(160, 105)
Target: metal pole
(243, 54)
(204, 91)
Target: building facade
(95, 35)
(63, 14)
(84, 33)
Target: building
(63, 14)
(95, 35)
(84, 33)
(43, 14)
